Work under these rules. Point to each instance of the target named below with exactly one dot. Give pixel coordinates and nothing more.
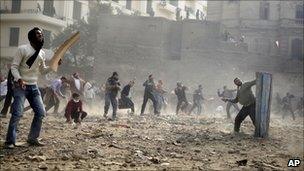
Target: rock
(233, 151)
(57, 168)
(36, 158)
(175, 155)
(197, 150)
(132, 164)
(155, 160)
(242, 162)
(65, 157)
(43, 166)
(165, 164)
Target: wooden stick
(62, 50)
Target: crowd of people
(21, 85)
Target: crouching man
(73, 110)
(246, 98)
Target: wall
(189, 51)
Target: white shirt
(3, 88)
(21, 70)
(89, 92)
(77, 83)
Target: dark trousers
(127, 103)
(75, 116)
(243, 113)
(229, 104)
(148, 96)
(198, 105)
(110, 99)
(51, 100)
(181, 104)
(287, 109)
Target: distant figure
(53, 93)
(126, 101)
(182, 102)
(246, 98)
(8, 96)
(197, 14)
(287, 107)
(111, 92)
(197, 100)
(89, 94)
(300, 107)
(3, 87)
(160, 95)
(187, 14)
(177, 14)
(229, 95)
(76, 84)
(149, 94)
(73, 110)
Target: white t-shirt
(77, 83)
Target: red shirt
(73, 107)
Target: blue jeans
(32, 94)
(110, 98)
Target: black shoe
(35, 143)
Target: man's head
(200, 87)
(75, 96)
(150, 77)
(35, 37)
(131, 83)
(76, 75)
(63, 79)
(160, 81)
(115, 75)
(179, 84)
(237, 82)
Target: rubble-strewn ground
(153, 143)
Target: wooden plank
(62, 50)
(263, 103)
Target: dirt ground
(167, 142)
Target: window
(128, 4)
(77, 10)
(16, 6)
(299, 12)
(297, 49)
(48, 8)
(14, 36)
(47, 38)
(174, 2)
(264, 10)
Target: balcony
(33, 15)
(292, 23)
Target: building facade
(186, 9)
(19, 16)
(272, 28)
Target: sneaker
(35, 143)
(9, 146)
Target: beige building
(19, 16)
(272, 28)
(159, 8)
